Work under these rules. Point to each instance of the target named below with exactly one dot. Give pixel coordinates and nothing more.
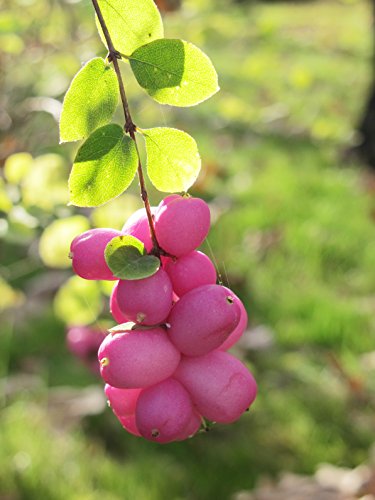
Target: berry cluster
(171, 368)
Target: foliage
(127, 258)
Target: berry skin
(137, 226)
(181, 224)
(87, 253)
(137, 358)
(146, 301)
(163, 411)
(122, 401)
(221, 387)
(114, 309)
(190, 271)
(192, 427)
(129, 424)
(240, 328)
(202, 319)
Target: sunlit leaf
(89, 102)
(131, 24)
(45, 184)
(103, 168)
(5, 201)
(174, 72)
(56, 238)
(9, 297)
(173, 161)
(17, 166)
(115, 213)
(125, 256)
(78, 301)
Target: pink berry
(87, 253)
(137, 358)
(221, 387)
(146, 301)
(165, 201)
(240, 328)
(202, 319)
(182, 224)
(190, 271)
(122, 401)
(129, 424)
(192, 427)
(137, 226)
(84, 341)
(114, 307)
(163, 411)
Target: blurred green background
(293, 235)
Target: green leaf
(17, 166)
(9, 296)
(174, 72)
(127, 259)
(114, 213)
(173, 161)
(124, 327)
(78, 301)
(103, 168)
(56, 238)
(131, 23)
(45, 184)
(89, 102)
(5, 200)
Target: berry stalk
(130, 127)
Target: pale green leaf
(16, 166)
(55, 241)
(9, 296)
(131, 23)
(89, 102)
(78, 301)
(103, 168)
(124, 327)
(5, 200)
(173, 161)
(45, 184)
(174, 72)
(114, 213)
(126, 258)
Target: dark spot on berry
(155, 433)
(230, 299)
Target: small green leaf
(173, 161)
(114, 213)
(5, 200)
(45, 184)
(127, 259)
(104, 167)
(89, 102)
(78, 301)
(124, 327)
(9, 296)
(174, 72)
(17, 166)
(131, 24)
(55, 241)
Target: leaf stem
(130, 128)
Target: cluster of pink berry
(171, 368)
